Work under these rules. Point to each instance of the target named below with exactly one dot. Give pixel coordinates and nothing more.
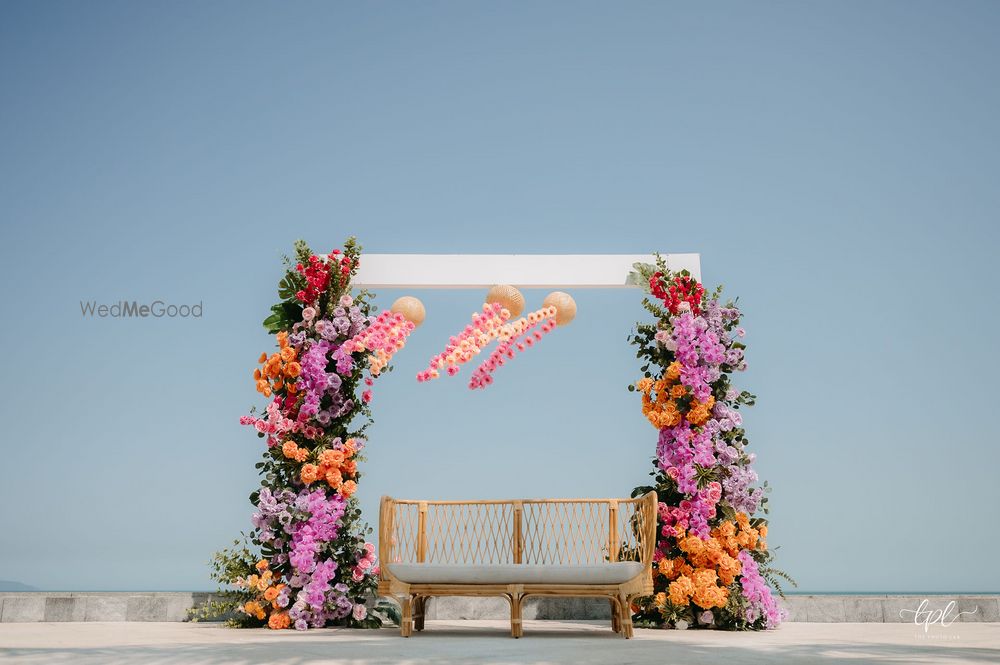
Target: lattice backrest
(530, 531)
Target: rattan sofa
(516, 549)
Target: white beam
(471, 271)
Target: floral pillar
(712, 565)
(311, 565)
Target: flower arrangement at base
(712, 567)
(311, 565)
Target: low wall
(173, 606)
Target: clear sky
(835, 164)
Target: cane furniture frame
(564, 532)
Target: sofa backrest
(530, 531)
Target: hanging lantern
(564, 304)
(411, 308)
(509, 298)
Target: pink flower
(366, 396)
(346, 300)
(359, 612)
(308, 314)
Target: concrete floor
(487, 641)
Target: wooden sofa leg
(626, 616)
(515, 595)
(406, 624)
(616, 616)
(419, 607)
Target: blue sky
(835, 165)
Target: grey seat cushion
(516, 573)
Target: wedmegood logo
(125, 309)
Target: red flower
(681, 288)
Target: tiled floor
(487, 641)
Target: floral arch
(307, 562)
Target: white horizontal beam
(471, 271)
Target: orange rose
(288, 354)
(293, 369)
(348, 488)
(289, 449)
(270, 594)
(261, 565)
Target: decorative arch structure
(475, 271)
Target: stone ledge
(36, 606)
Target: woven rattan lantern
(509, 297)
(411, 308)
(564, 304)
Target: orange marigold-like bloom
(348, 488)
(666, 568)
(287, 354)
(289, 449)
(309, 473)
(673, 372)
(680, 590)
(279, 621)
(262, 564)
(253, 608)
(293, 369)
(334, 478)
(726, 530)
(678, 391)
(331, 458)
(729, 568)
(693, 545)
(644, 384)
